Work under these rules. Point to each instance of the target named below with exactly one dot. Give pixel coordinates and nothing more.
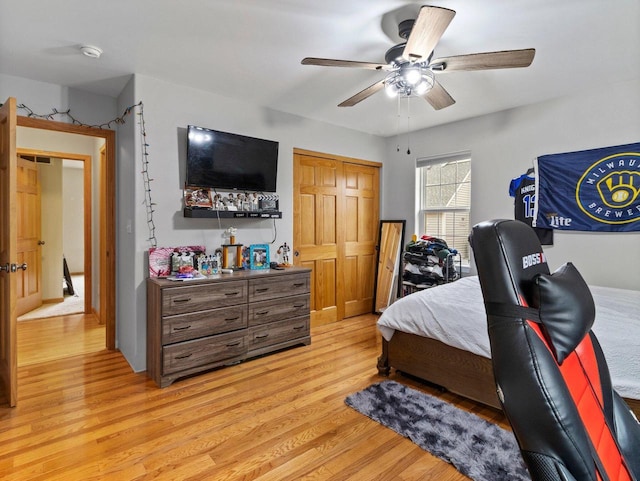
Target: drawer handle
(262, 313)
(229, 319)
(186, 356)
(262, 289)
(234, 344)
(298, 306)
(184, 328)
(229, 294)
(263, 336)
(298, 284)
(177, 301)
(297, 328)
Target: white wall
(168, 109)
(503, 145)
(130, 290)
(51, 229)
(42, 97)
(73, 214)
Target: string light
(149, 204)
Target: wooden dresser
(196, 325)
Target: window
(444, 185)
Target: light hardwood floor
(281, 417)
(43, 340)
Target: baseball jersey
(523, 188)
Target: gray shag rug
(477, 448)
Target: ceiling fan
(410, 67)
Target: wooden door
(362, 184)
(28, 282)
(8, 253)
(318, 239)
(336, 212)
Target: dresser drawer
(189, 354)
(277, 332)
(184, 327)
(278, 309)
(180, 300)
(280, 286)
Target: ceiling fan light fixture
(422, 36)
(390, 89)
(412, 75)
(422, 88)
(426, 82)
(409, 80)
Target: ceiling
(251, 49)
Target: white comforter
(454, 314)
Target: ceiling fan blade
(329, 62)
(360, 96)
(487, 60)
(438, 97)
(426, 32)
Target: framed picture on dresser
(259, 256)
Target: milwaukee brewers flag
(590, 190)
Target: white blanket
(454, 314)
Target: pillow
(566, 309)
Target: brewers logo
(590, 190)
(609, 190)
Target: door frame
(106, 201)
(87, 214)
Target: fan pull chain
(408, 126)
(398, 126)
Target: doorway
(59, 248)
(104, 266)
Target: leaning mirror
(388, 267)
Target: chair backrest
(551, 375)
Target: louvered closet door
(335, 225)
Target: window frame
(420, 192)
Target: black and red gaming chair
(551, 374)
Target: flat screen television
(221, 160)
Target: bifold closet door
(362, 186)
(335, 227)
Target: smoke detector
(91, 51)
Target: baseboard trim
(55, 300)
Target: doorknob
(15, 267)
(40, 242)
(296, 253)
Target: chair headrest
(565, 307)
(508, 256)
(513, 270)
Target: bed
(440, 335)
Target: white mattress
(454, 314)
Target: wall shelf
(230, 214)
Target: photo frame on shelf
(259, 256)
(197, 197)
